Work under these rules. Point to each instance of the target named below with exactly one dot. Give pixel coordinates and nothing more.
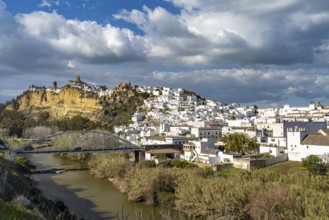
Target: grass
(14, 144)
(11, 211)
(229, 172)
(287, 167)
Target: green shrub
(315, 165)
(166, 199)
(267, 156)
(146, 164)
(179, 163)
(110, 165)
(24, 163)
(10, 211)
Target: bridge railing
(46, 144)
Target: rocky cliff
(67, 103)
(116, 107)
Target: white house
(275, 151)
(138, 116)
(157, 154)
(206, 132)
(165, 140)
(204, 151)
(300, 144)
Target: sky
(238, 51)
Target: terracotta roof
(157, 138)
(316, 139)
(326, 131)
(163, 151)
(189, 143)
(210, 151)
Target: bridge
(79, 142)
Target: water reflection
(85, 195)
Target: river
(87, 196)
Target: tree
(315, 165)
(13, 121)
(239, 142)
(77, 123)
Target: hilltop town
(183, 125)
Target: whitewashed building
(300, 144)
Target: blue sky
(241, 51)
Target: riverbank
(19, 196)
(90, 197)
(232, 193)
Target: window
(307, 147)
(270, 151)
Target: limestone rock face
(67, 103)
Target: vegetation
(14, 186)
(117, 110)
(18, 195)
(121, 107)
(14, 211)
(12, 120)
(315, 165)
(177, 163)
(239, 142)
(24, 164)
(270, 193)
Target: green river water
(87, 196)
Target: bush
(315, 165)
(311, 160)
(24, 164)
(267, 156)
(146, 164)
(177, 163)
(319, 169)
(110, 166)
(153, 186)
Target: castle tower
(55, 85)
(312, 106)
(78, 79)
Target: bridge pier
(136, 156)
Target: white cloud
(249, 85)
(49, 3)
(2, 5)
(70, 64)
(237, 32)
(239, 50)
(83, 38)
(45, 3)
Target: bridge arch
(77, 142)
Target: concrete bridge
(79, 142)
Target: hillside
(78, 102)
(67, 103)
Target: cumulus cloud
(238, 50)
(49, 3)
(85, 39)
(249, 85)
(234, 32)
